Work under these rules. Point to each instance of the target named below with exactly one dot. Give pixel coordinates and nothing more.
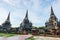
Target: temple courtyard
(45, 38)
(16, 37)
(26, 37)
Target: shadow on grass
(30, 38)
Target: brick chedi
(26, 24)
(53, 23)
(6, 26)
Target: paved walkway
(45, 38)
(18, 37)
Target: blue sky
(38, 11)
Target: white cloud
(56, 7)
(27, 3)
(34, 18)
(3, 15)
(36, 4)
(12, 2)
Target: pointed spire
(26, 14)
(52, 13)
(8, 18)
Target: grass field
(6, 35)
(31, 38)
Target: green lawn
(31, 38)
(6, 35)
